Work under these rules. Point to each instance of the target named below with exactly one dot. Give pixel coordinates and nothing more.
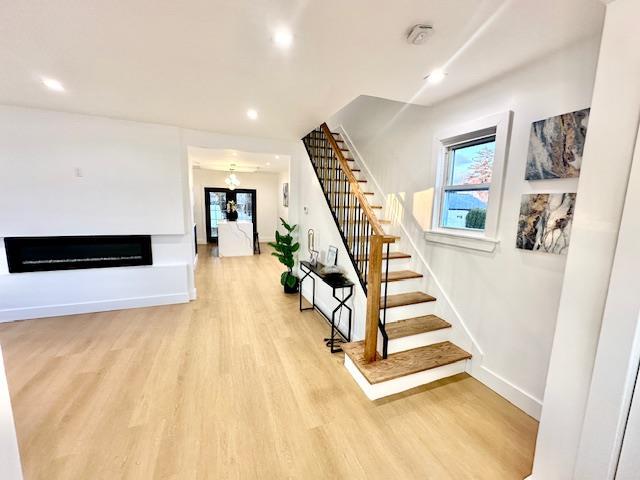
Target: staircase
(405, 344)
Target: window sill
(462, 240)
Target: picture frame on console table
(332, 255)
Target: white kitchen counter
(235, 239)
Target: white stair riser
(397, 385)
(396, 264)
(415, 341)
(403, 286)
(410, 311)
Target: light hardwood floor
(237, 385)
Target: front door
(216, 200)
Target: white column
(10, 467)
(603, 181)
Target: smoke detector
(418, 34)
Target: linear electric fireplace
(38, 254)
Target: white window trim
(500, 126)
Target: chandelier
(232, 180)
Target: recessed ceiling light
(53, 84)
(283, 38)
(277, 157)
(252, 114)
(268, 163)
(436, 76)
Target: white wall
(267, 199)
(128, 169)
(133, 180)
(508, 299)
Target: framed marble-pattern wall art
(545, 222)
(556, 145)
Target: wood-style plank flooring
(237, 385)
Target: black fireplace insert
(38, 254)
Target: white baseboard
(14, 314)
(193, 294)
(521, 399)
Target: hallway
(237, 384)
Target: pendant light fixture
(232, 180)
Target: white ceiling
(225, 160)
(202, 63)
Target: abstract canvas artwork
(545, 222)
(285, 194)
(556, 145)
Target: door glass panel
(245, 206)
(217, 210)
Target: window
(467, 184)
(470, 164)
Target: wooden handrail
(353, 183)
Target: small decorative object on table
(332, 271)
(311, 245)
(232, 211)
(332, 255)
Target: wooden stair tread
(395, 255)
(401, 275)
(404, 363)
(415, 326)
(403, 299)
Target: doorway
(216, 200)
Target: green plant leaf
(283, 278)
(285, 224)
(295, 247)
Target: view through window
(467, 183)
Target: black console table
(336, 282)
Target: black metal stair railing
(349, 214)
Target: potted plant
(285, 248)
(232, 211)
